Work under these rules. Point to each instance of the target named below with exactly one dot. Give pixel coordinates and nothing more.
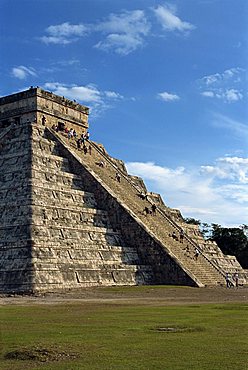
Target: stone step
(7, 206)
(94, 265)
(45, 175)
(14, 178)
(88, 254)
(73, 208)
(4, 132)
(39, 229)
(73, 264)
(71, 204)
(112, 238)
(14, 158)
(64, 185)
(50, 163)
(45, 146)
(14, 137)
(67, 210)
(76, 221)
(85, 224)
(12, 147)
(23, 248)
(56, 191)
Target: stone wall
(18, 108)
(32, 104)
(16, 268)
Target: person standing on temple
(43, 120)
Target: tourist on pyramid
(154, 208)
(117, 177)
(197, 252)
(78, 144)
(70, 134)
(181, 236)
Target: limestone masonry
(67, 220)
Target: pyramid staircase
(160, 227)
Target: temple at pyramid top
(31, 105)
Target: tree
(204, 227)
(192, 221)
(206, 230)
(231, 240)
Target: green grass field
(124, 336)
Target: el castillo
(72, 217)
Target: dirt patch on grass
(39, 354)
(178, 329)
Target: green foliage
(232, 240)
(192, 221)
(206, 230)
(229, 239)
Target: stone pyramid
(69, 221)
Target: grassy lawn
(125, 336)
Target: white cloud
(240, 129)
(227, 75)
(90, 95)
(56, 40)
(64, 33)
(210, 80)
(113, 95)
(209, 94)
(87, 94)
(238, 193)
(122, 44)
(233, 95)
(233, 168)
(168, 97)
(168, 19)
(66, 29)
(235, 160)
(127, 22)
(228, 96)
(226, 86)
(121, 33)
(23, 72)
(69, 62)
(205, 192)
(125, 32)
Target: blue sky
(166, 83)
